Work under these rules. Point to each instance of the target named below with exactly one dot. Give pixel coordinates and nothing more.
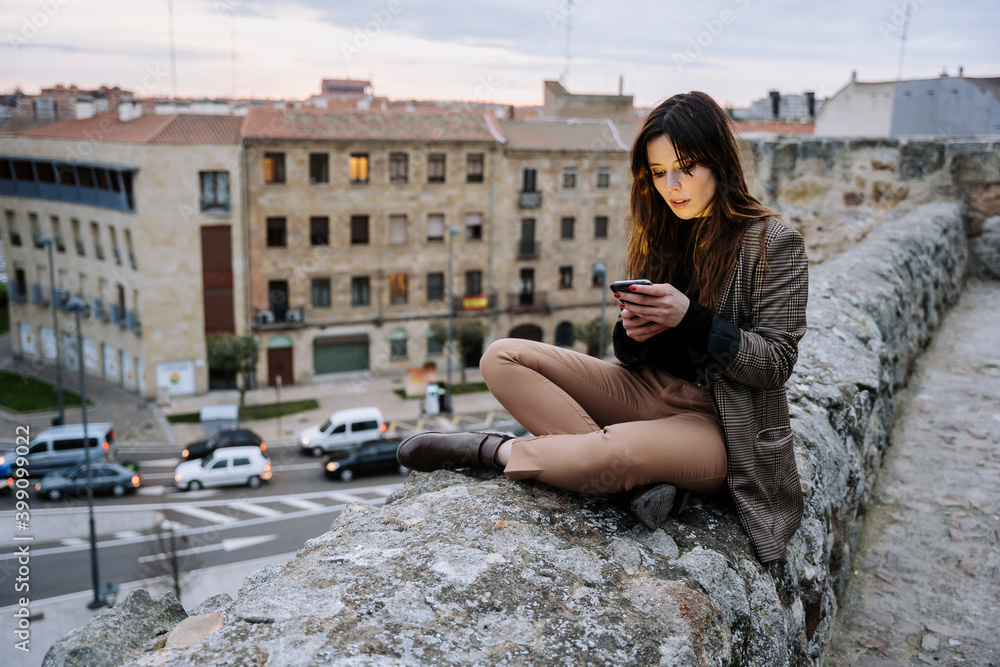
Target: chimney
(621, 84)
(510, 112)
(129, 110)
(961, 70)
(854, 76)
(811, 103)
(84, 108)
(775, 104)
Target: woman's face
(687, 188)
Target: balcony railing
(473, 303)
(528, 301)
(278, 318)
(528, 249)
(529, 200)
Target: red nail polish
(617, 295)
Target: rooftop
(325, 124)
(567, 134)
(174, 129)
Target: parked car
(61, 447)
(372, 456)
(344, 429)
(106, 477)
(228, 466)
(237, 437)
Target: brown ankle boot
(445, 451)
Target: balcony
(529, 200)
(528, 302)
(474, 303)
(278, 319)
(81, 249)
(528, 249)
(38, 295)
(16, 292)
(132, 322)
(99, 311)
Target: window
(397, 344)
(275, 232)
(474, 168)
(319, 168)
(360, 291)
(569, 178)
(565, 277)
(473, 226)
(397, 288)
(36, 231)
(13, 234)
(130, 249)
(566, 228)
(435, 168)
(57, 237)
(274, 168)
(399, 168)
(319, 230)
(529, 177)
(473, 283)
(435, 227)
(214, 191)
(357, 166)
(601, 227)
(81, 248)
(603, 178)
(397, 229)
(359, 230)
(434, 345)
(321, 292)
(564, 334)
(435, 287)
(95, 235)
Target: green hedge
(254, 412)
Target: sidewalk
(926, 587)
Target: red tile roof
(565, 135)
(378, 125)
(176, 129)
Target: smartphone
(622, 285)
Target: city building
(945, 106)
(146, 217)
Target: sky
(492, 51)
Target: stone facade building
(146, 221)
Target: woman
(698, 403)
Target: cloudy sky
(498, 51)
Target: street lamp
(600, 274)
(78, 306)
(452, 233)
(49, 242)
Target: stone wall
(461, 569)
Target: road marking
(126, 534)
(231, 544)
(151, 490)
(175, 526)
(346, 497)
(73, 541)
(203, 514)
(157, 475)
(252, 508)
(160, 463)
(302, 503)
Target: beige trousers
(599, 427)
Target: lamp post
(49, 242)
(79, 306)
(601, 273)
(452, 233)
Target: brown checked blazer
(752, 348)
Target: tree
(236, 356)
(169, 559)
(466, 335)
(589, 333)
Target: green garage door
(340, 354)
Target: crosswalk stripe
(302, 503)
(125, 534)
(175, 526)
(346, 497)
(203, 514)
(252, 508)
(73, 541)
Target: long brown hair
(701, 133)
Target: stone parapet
(467, 569)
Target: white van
(343, 430)
(61, 447)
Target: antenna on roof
(902, 46)
(173, 56)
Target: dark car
(368, 457)
(237, 437)
(106, 477)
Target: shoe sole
(653, 508)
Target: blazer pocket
(774, 457)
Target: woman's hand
(651, 309)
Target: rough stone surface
(925, 588)
(474, 569)
(116, 633)
(985, 250)
(193, 629)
